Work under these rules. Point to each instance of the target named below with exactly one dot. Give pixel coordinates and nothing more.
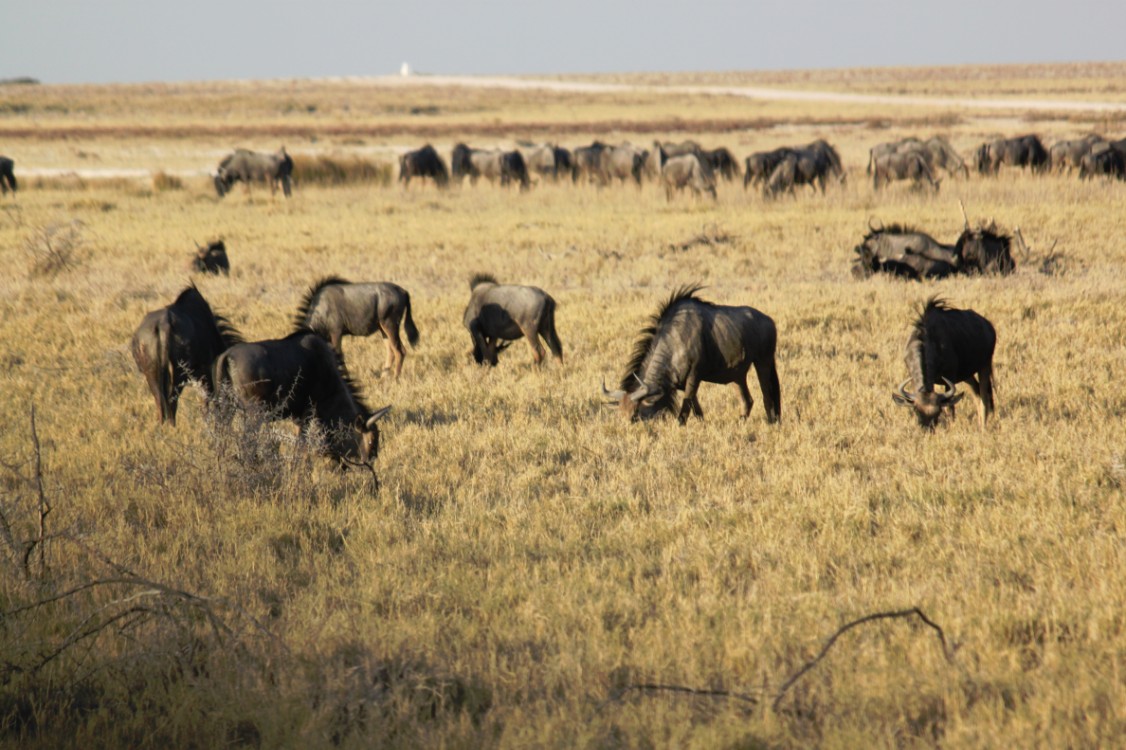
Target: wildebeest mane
(354, 389)
(645, 341)
(301, 317)
(481, 278)
(934, 303)
(891, 229)
(227, 331)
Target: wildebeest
(1104, 159)
(624, 162)
(947, 346)
(1022, 151)
(1068, 155)
(544, 159)
(679, 172)
(586, 161)
(249, 166)
(760, 165)
(804, 165)
(678, 149)
(936, 151)
(902, 165)
(7, 175)
(179, 343)
(505, 312)
(984, 250)
(494, 165)
(334, 307)
(301, 378)
(721, 161)
(902, 251)
(211, 259)
(691, 341)
(425, 162)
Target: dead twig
(655, 688)
(903, 613)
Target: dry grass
(530, 556)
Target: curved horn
(965, 218)
(907, 398)
(641, 393)
(615, 396)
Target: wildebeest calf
(947, 346)
(505, 312)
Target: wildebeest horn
(908, 398)
(965, 218)
(375, 417)
(951, 396)
(872, 228)
(615, 396)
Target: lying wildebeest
(505, 312)
(1022, 151)
(624, 162)
(947, 346)
(902, 165)
(586, 161)
(691, 341)
(902, 251)
(249, 166)
(7, 175)
(984, 250)
(1068, 155)
(301, 378)
(179, 343)
(424, 162)
(211, 259)
(334, 307)
(721, 161)
(679, 172)
(494, 165)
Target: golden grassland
(530, 559)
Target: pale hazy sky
(74, 41)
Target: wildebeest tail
(548, 330)
(165, 378)
(408, 322)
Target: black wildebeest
(902, 165)
(691, 341)
(685, 171)
(334, 307)
(947, 346)
(505, 312)
(211, 259)
(902, 251)
(7, 175)
(424, 162)
(179, 343)
(301, 378)
(249, 166)
(1022, 151)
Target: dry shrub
(162, 181)
(338, 170)
(54, 248)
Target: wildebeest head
(360, 442)
(211, 259)
(928, 405)
(638, 404)
(984, 250)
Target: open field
(530, 560)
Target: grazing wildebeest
(624, 162)
(902, 165)
(249, 166)
(902, 251)
(544, 159)
(984, 250)
(494, 165)
(721, 161)
(7, 175)
(679, 172)
(505, 312)
(947, 346)
(883, 149)
(1022, 151)
(335, 307)
(691, 341)
(1068, 155)
(424, 162)
(586, 161)
(211, 259)
(1107, 160)
(301, 378)
(936, 151)
(179, 343)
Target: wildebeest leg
(986, 394)
(745, 392)
(691, 385)
(395, 353)
(534, 341)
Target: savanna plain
(532, 570)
